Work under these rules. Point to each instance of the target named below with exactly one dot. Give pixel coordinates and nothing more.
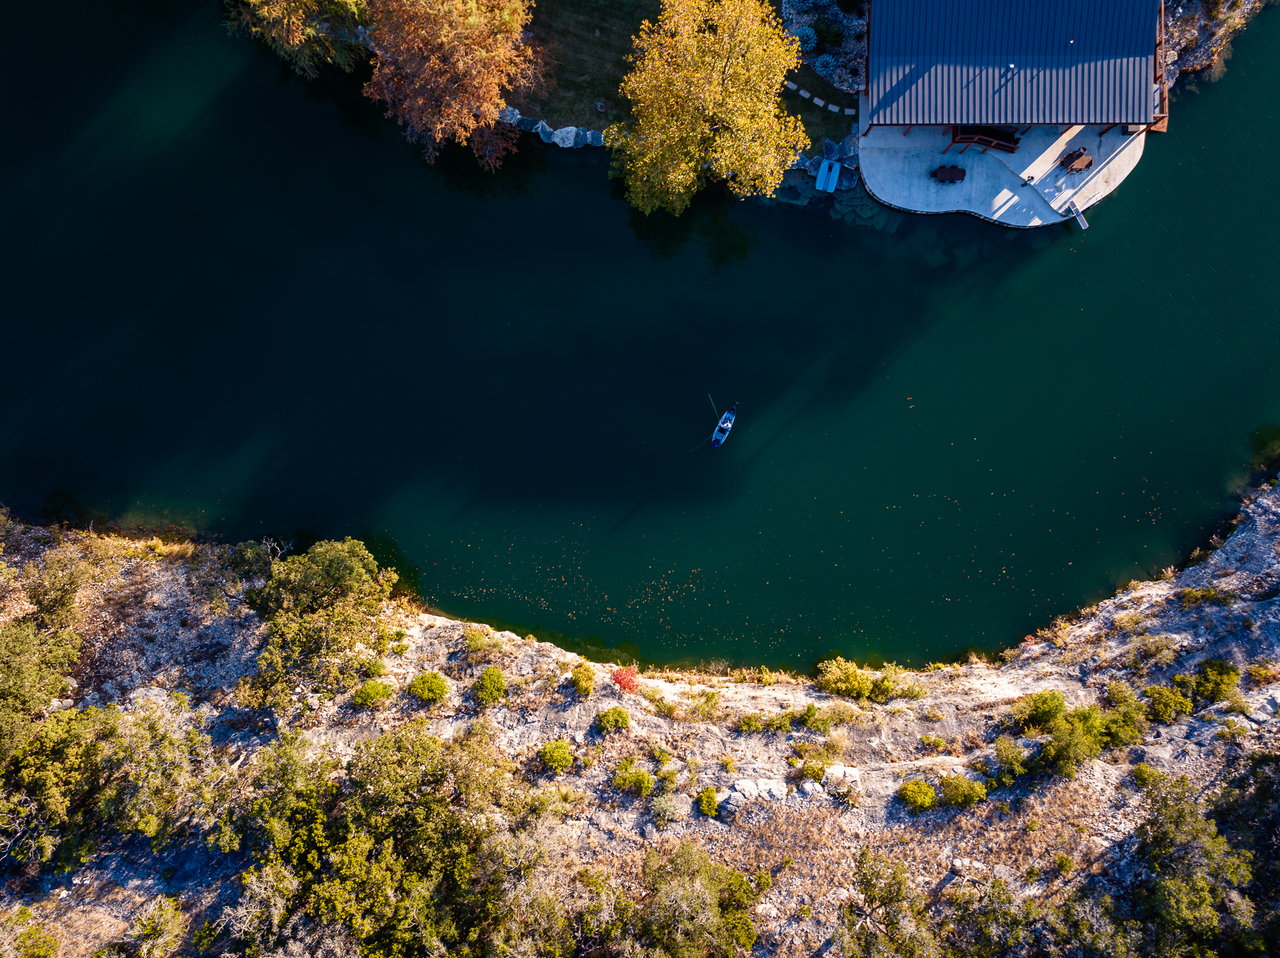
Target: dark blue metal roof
(1012, 62)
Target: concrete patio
(1023, 189)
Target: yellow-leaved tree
(705, 95)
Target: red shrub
(626, 679)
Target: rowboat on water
(721, 432)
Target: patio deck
(1023, 189)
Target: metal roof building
(1013, 62)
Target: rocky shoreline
(797, 797)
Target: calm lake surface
(239, 303)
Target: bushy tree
(33, 669)
(1193, 870)
(884, 916)
(704, 94)
(694, 907)
(990, 923)
(445, 67)
(323, 622)
(87, 774)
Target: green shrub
(664, 810)
(1165, 704)
(1144, 776)
(629, 777)
(1263, 672)
(934, 743)
(839, 676)
(371, 694)
(1010, 760)
(479, 644)
(1039, 710)
(1126, 717)
(1216, 680)
(707, 803)
(918, 795)
(491, 687)
(556, 756)
(613, 720)
(961, 791)
(583, 678)
(429, 688)
(1207, 595)
(1075, 738)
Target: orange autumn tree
(307, 33)
(444, 69)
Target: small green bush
(491, 687)
(664, 810)
(839, 676)
(961, 791)
(707, 803)
(613, 720)
(934, 743)
(372, 694)
(480, 645)
(1011, 759)
(1208, 595)
(918, 795)
(1039, 710)
(429, 688)
(1126, 718)
(583, 679)
(1075, 738)
(1165, 704)
(629, 777)
(557, 756)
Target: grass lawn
(585, 44)
(819, 122)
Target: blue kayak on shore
(725, 424)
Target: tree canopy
(705, 104)
(309, 34)
(444, 68)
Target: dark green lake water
(238, 302)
